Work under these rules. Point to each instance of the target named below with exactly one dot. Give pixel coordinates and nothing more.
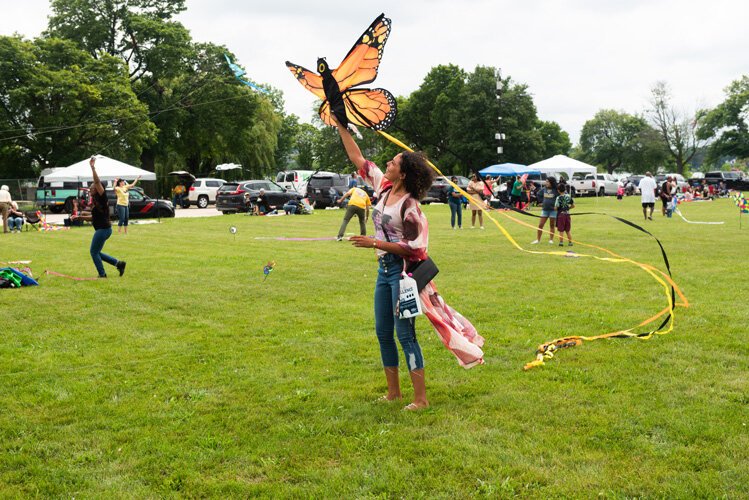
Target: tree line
(125, 79)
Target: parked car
(201, 191)
(141, 205)
(318, 187)
(732, 180)
(438, 192)
(294, 180)
(234, 197)
(594, 184)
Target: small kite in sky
(239, 73)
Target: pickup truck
(593, 184)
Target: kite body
(239, 73)
(371, 108)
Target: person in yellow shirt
(358, 205)
(178, 194)
(121, 189)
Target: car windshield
(732, 175)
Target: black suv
(438, 192)
(318, 187)
(235, 197)
(732, 180)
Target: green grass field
(190, 376)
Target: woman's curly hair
(419, 175)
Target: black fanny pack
(422, 272)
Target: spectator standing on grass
(549, 194)
(358, 205)
(455, 202)
(5, 200)
(476, 190)
(121, 189)
(666, 194)
(647, 188)
(563, 204)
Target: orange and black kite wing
(311, 81)
(370, 108)
(360, 64)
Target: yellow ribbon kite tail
(546, 350)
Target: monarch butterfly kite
(371, 108)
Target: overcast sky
(576, 56)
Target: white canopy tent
(108, 169)
(563, 164)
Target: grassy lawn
(191, 376)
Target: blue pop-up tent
(508, 170)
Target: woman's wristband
(374, 243)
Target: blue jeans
(15, 223)
(456, 208)
(123, 214)
(289, 209)
(97, 243)
(387, 290)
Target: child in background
(562, 205)
(620, 191)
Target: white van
(294, 180)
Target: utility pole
(499, 136)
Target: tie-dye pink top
(401, 222)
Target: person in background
(358, 205)
(476, 190)
(5, 200)
(620, 190)
(261, 206)
(291, 207)
(516, 194)
(550, 194)
(455, 202)
(563, 204)
(121, 189)
(333, 195)
(647, 188)
(665, 195)
(178, 194)
(99, 218)
(15, 218)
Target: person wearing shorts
(563, 204)
(549, 194)
(647, 188)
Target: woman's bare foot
(416, 406)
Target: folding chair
(32, 220)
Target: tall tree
(58, 103)
(676, 127)
(617, 140)
(727, 125)
(140, 32)
(556, 141)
